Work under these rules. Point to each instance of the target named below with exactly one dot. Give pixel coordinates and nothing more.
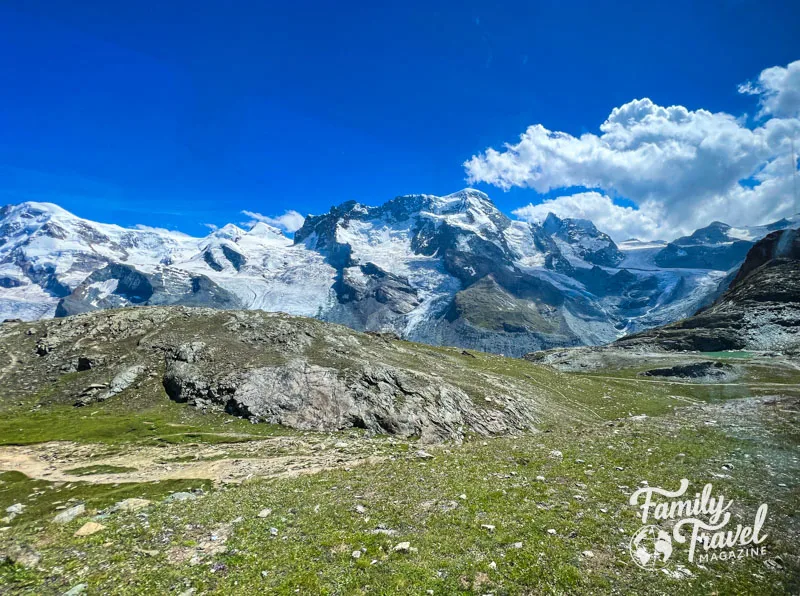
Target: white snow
(42, 239)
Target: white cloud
(682, 168)
(290, 221)
(621, 223)
(779, 90)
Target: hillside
(193, 450)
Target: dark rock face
(711, 247)
(373, 283)
(237, 259)
(721, 257)
(710, 371)
(117, 285)
(760, 310)
(211, 261)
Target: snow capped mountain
(444, 270)
(580, 240)
(48, 255)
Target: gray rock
(23, 555)
(129, 505)
(68, 515)
(379, 398)
(180, 496)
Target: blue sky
(184, 113)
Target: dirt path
(10, 366)
(230, 463)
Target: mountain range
(449, 270)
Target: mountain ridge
(441, 270)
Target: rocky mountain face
(717, 246)
(268, 367)
(447, 270)
(759, 311)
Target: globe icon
(651, 547)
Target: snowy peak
(264, 230)
(444, 270)
(717, 246)
(228, 232)
(583, 241)
(714, 233)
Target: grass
(485, 304)
(121, 421)
(41, 498)
(583, 498)
(218, 544)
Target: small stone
(356, 554)
(264, 512)
(492, 565)
(517, 545)
(24, 556)
(130, 505)
(551, 531)
(89, 528)
(555, 453)
(16, 508)
(488, 527)
(462, 497)
(540, 479)
(588, 554)
(75, 590)
(273, 531)
(402, 547)
(149, 553)
(68, 515)
(181, 496)
(340, 445)
(424, 454)
(264, 573)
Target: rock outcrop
(267, 367)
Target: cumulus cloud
(621, 223)
(290, 221)
(682, 168)
(778, 89)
